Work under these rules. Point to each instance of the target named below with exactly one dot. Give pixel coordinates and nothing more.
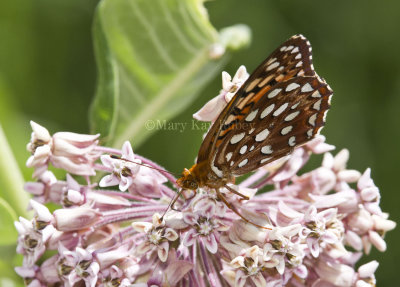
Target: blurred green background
(48, 74)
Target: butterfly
(282, 105)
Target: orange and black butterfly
(281, 106)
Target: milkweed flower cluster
(109, 231)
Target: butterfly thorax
(200, 175)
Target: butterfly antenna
(231, 207)
(142, 164)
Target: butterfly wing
(289, 115)
(292, 60)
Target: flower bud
(75, 218)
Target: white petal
(40, 132)
(143, 227)
(211, 110)
(162, 251)
(210, 243)
(341, 159)
(259, 280)
(42, 211)
(377, 241)
(367, 270)
(190, 238)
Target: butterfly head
(188, 180)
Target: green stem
(12, 188)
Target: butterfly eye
(193, 185)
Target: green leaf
(154, 57)
(11, 179)
(7, 218)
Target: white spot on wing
(251, 148)
(265, 160)
(295, 105)
(316, 94)
(243, 162)
(299, 64)
(251, 131)
(312, 119)
(280, 109)
(270, 61)
(243, 149)
(317, 105)
(292, 141)
(272, 66)
(286, 130)
(253, 84)
(298, 56)
(291, 87)
(310, 133)
(282, 48)
(274, 93)
(266, 149)
(289, 48)
(215, 169)
(306, 88)
(262, 135)
(237, 138)
(295, 50)
(267, 111)
(291, 116)
(250, 117)
(228, 156)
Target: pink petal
(109, 180)
(170, 234)
(354, 240)
(142, 227)
(190, 218)
(328, 214)
(383, 224)
(162, 251)
(289, 212)
(377, 241)
(328, 160)
(226, 80)
(370, 193)
(210, 243)
(367, 270)
(318, 145)
(40, 132)
(341, 159)
(127, 151)
(365, 180)
(190, 238)
(107, 161)
(349, 175)
(35, 188)
(301, 271)
(281, 266)
(77, 139)
(240, 279)
(259, 280)
(211, 110)
(42, 211)
(313, 245)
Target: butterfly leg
(245, 197)
(231, 207)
